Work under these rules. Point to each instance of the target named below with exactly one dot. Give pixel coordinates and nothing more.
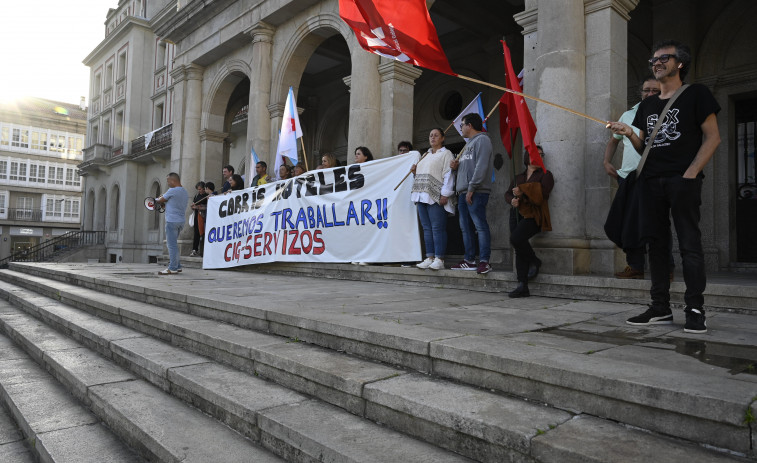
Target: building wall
(40, 189)
(587, 56)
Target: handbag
(622, 225)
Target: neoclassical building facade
(194, 85)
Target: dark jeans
(196, 237)
(477, 212)
(635, 256)
(522, 230)
(680, 198)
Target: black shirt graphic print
(680, 136)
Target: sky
(44, 43)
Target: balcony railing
(25, 215)
(97, 152)
(160, 139)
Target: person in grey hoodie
(474, 168)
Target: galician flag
(290, 132)
(474, 106)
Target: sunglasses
(662, 59)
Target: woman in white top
(433, 193)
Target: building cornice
(119, 33)
(622, 7)
(527, 20)
(399, 71)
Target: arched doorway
(224, 136)
(325, 100)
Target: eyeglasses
(662, 59)
(653, 91)
(462, 124)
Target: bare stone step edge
(44, 442)
(645, 416)
(384, 347)
(355, 404)
(332, 390)
(587, 439)
(136, 436)
(476, 423)
(667, 422)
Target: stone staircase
(140, 367)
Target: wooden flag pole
(304, 155)
(504, 89)
(492, 111)
(410, 172)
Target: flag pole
(492, 111)
(586, 116)
(410, 172)
(304, 155)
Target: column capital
(187, 72)
(261, 32)
(276, 109)
(400, 71)
(212, 135)
(527, 20)
(622, 7)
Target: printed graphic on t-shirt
(667, 131)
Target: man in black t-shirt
(671, 181)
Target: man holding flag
(474, 167)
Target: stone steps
(722, 293)
(163, 428)
(476, 423)
(51, 421)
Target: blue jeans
(434, 222)
(680, 198)
(172, 242)
(477, 212)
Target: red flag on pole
(400, 30)
(514, 115)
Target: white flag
(474, 106)
(290, 132)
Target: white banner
(344, 214)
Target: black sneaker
(695, 320)
(651, 317)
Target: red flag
(400, 30)
(514, 115)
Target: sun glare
(47, 40)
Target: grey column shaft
(365, 103)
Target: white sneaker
(426, 263)
(438, 264)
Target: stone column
(560, 76)
(189, 164)
(211, 147)
(365, 101)
(185, 142)
(258, 119)
(397, 82)
(606, 97)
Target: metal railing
(53, 250)
(160, 139)
(24, 214)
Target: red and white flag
(290, 132)
(396, 29)
(514, 114)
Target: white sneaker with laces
(438, 264)
(426, 263)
